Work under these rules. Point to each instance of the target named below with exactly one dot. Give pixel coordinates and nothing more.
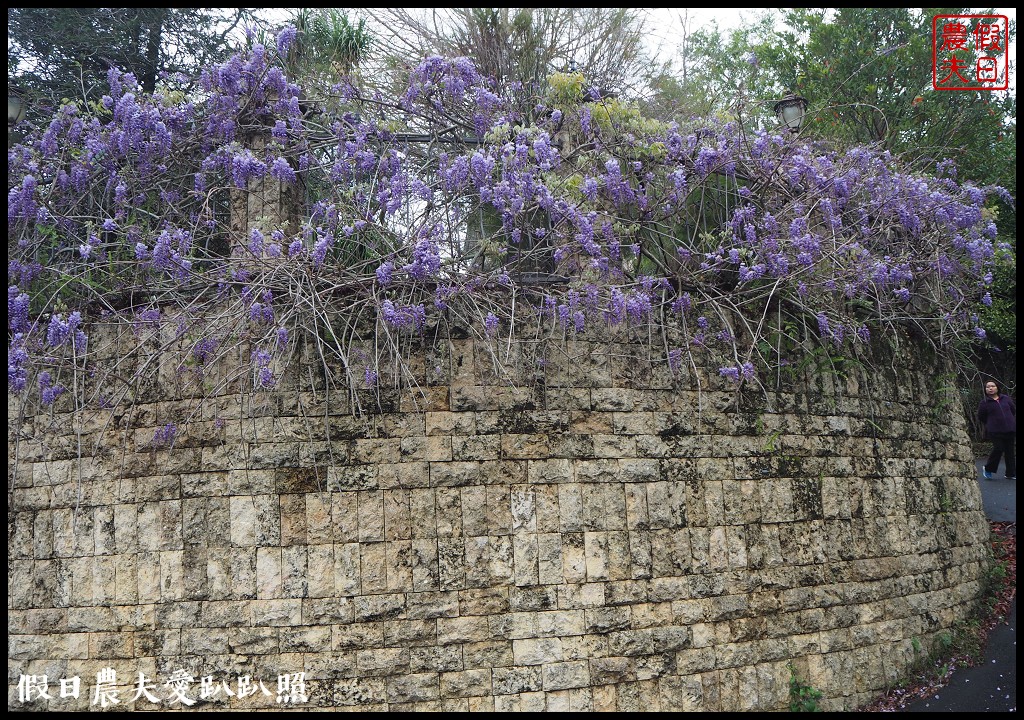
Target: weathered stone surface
(614, 540)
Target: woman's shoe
(988, 475)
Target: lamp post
(15, 109)
(791, 110)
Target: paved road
(999, 495)
(992, 685)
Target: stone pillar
(266, 203)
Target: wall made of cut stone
(607, 537)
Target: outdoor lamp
(790, 111)
(15, 109)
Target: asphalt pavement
(990, 686)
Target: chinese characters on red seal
(970, 52)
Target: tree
(519, 47)
(65, 53)
(867, 73)
(328, 45)
(870, 74)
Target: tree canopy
(520, 47)
(867, 73)
(64, 53)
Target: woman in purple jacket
(998, 415)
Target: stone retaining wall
(608, 537)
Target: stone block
(537, 651)
(488, 654)
(269, 570)
(276, 612)
(478, 447)
(525, 559)
(383, 662)
(371, 516)
(468, 683)
(515, 680)
(566, 675)
(463, 630)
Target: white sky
(665, 26)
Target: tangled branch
(260, 221)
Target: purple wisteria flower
(426, 260)
(246, 167)
(286, 38)
(323, 245)
(59, 331)
(384, 273)
(138, 194)
(823, 324)
(444, 295)
(491, 324)
(163, 437)
(256, 242)
(17, 310)
(204, 350)
(17, 360)
(675, 360)
(283, 171)
(638, 306)
(263, 376)
(411, 317)
(732, 373)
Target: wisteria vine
(252, 215)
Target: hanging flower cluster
(438, 203)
